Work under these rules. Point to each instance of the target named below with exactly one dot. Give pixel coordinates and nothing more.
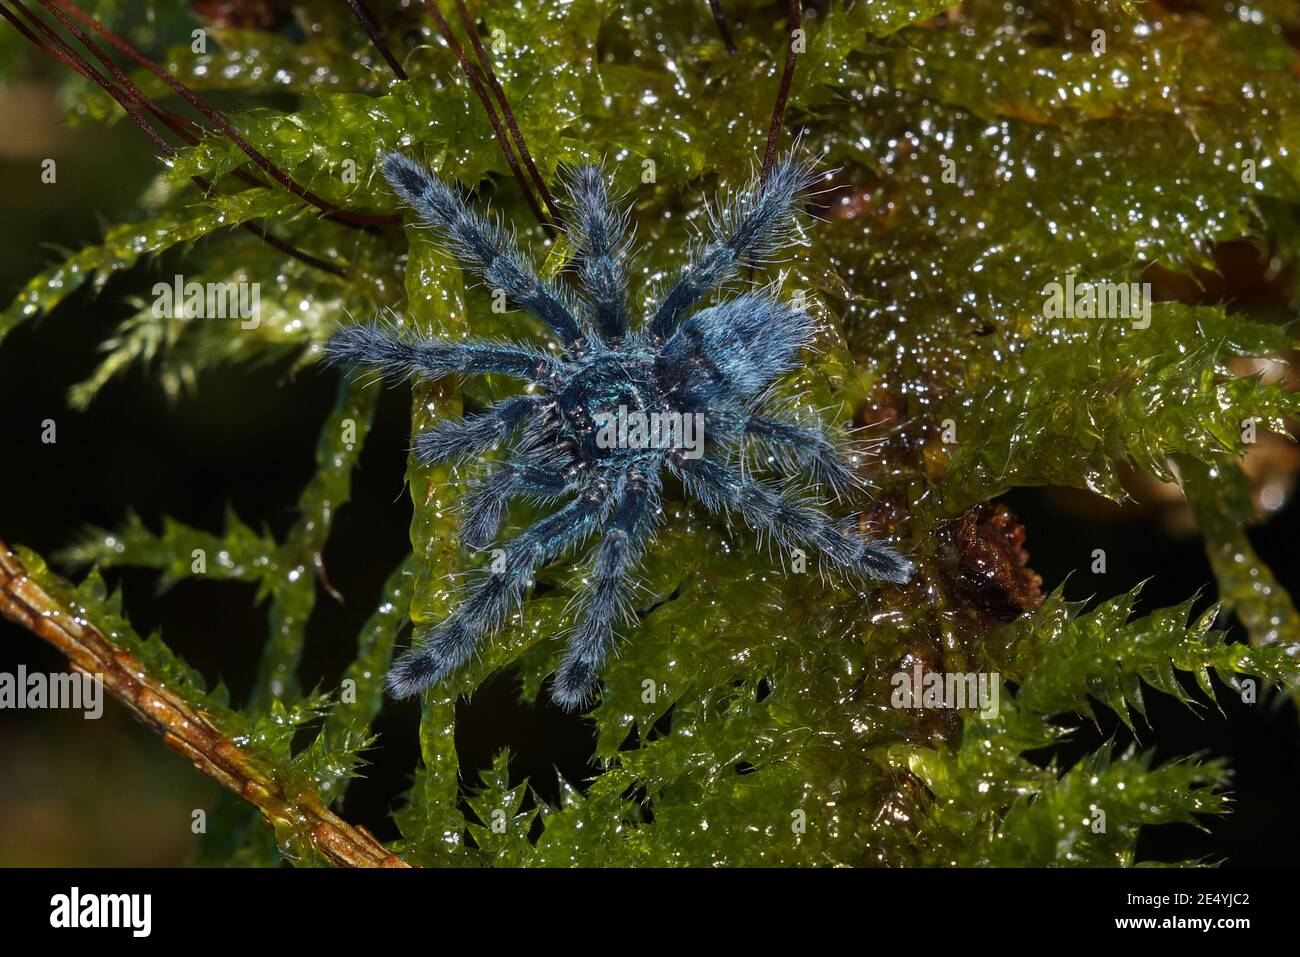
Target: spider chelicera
(711, 367)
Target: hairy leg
(598, 235)
(481, 244)
(623, 539)
(487, 499)
(397, 357)
(795, 448)
(791, 521)
(449, 645)
(454, 439)
(746, 231)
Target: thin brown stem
(372, 30)
(290, 250)
(219, 120)
(486, 65)
(186, 129)
(124, 82)
(793, 23)
(720, 19)
(55, 46)
(183, 727)
(471, 73)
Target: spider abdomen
(731, 352)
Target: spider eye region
(615, 411)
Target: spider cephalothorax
(613, 410)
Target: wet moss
(975, 155)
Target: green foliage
(1221, 500)
(991, 807)
(983, 155)
(1060, 658)
(125, 244)
(1089, 395)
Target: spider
(712, 366)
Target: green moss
(986, 152)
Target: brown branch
(184, 729)
(54, 46)
(287, 247)
(218, 118)
(720, 19)
(485, 63)
(377, 38)
(471, 73)
(185, 128)
(124, 82)
(783, 91)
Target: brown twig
(720, 19)
(54, 46)
(283, 245)
(372, 30)
(486, 64)
(793, 23)
(185, 128)
(184, 729)
(471, 73)
(98, 52)
(218, 118)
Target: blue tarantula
(713, 365)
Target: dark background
(108, 793)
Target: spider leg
(746, 231)
(376, 345)
(481, 244)
(622, 541)
(487, 499)
(459, 438)
(796, 448)
(790, 520)
(447, 646)
(598, 232)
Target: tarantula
(714, 365)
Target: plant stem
(783, 91)
(485, 63)
(183, 729)
(724, 31)
(54, 46)
(368, 24)
(476, 83)
(216, 116)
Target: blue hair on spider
(613, 410)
